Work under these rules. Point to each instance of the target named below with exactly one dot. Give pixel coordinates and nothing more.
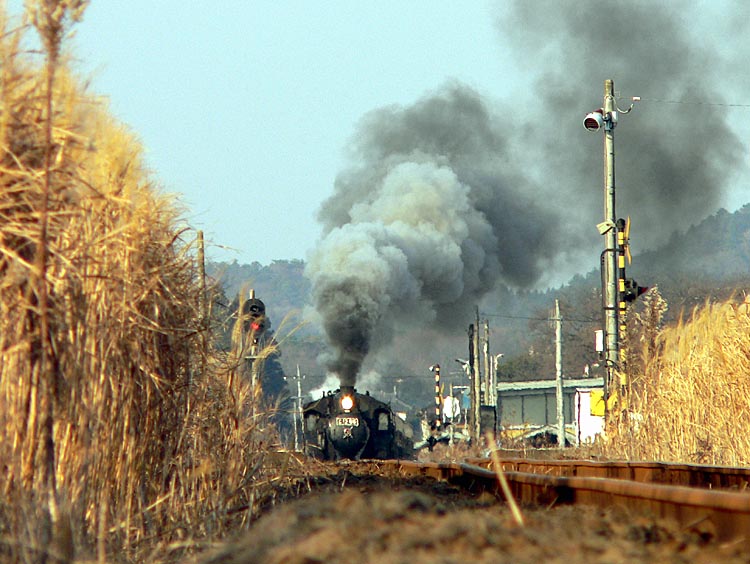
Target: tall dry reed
(691, 404)
(118, 437)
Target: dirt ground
(347, 515)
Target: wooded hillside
(709, 261)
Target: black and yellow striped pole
(438, 397)
(622, 241)
(621, 302)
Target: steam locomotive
(347, 424)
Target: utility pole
(452, 414)
(559, 377)
(298, 416)
(487, 370)
(490, 389)
(297, 413)
(470, 372)
(606, 117)
(476, 384)
(612, 334)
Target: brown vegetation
(688, 399)
(119, 437)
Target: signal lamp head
(632, 290)
(594, 121)
(347, 402)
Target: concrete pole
(612, 338)
(298, 416)
(487, 369)
(453, 417)
(476, 382)
(470, 372)
(558, 377)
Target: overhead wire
(693, 102)
(500, 315)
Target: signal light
(254, 312)
(632, 290)
(594, 121)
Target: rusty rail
(693, 475)
(723, 514)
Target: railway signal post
(438, 396)
(606, 118)
(251, 326)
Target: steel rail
(693, 475)
(724, 515)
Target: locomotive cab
(382, 441)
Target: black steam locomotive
(347, 424)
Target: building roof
(582, 383)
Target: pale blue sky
(245, 108)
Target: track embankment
(713, 499)
(417, 513)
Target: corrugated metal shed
(533, 402)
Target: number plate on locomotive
(347, 421)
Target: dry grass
(690, 402)
(119, 439)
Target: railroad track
(692, 475)
(709, 499)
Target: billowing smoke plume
(452, 195)
(673, 161)
(431, 215)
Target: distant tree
(529, 366)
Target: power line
(502, 316)
(694, 103)
(514, 316)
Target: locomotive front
(347, 424)
(348, 430)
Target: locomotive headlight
(347, 402)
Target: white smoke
(415, 246)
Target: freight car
(347, 424)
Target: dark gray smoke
(448, 197)
(673, 161)
(429, 217)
